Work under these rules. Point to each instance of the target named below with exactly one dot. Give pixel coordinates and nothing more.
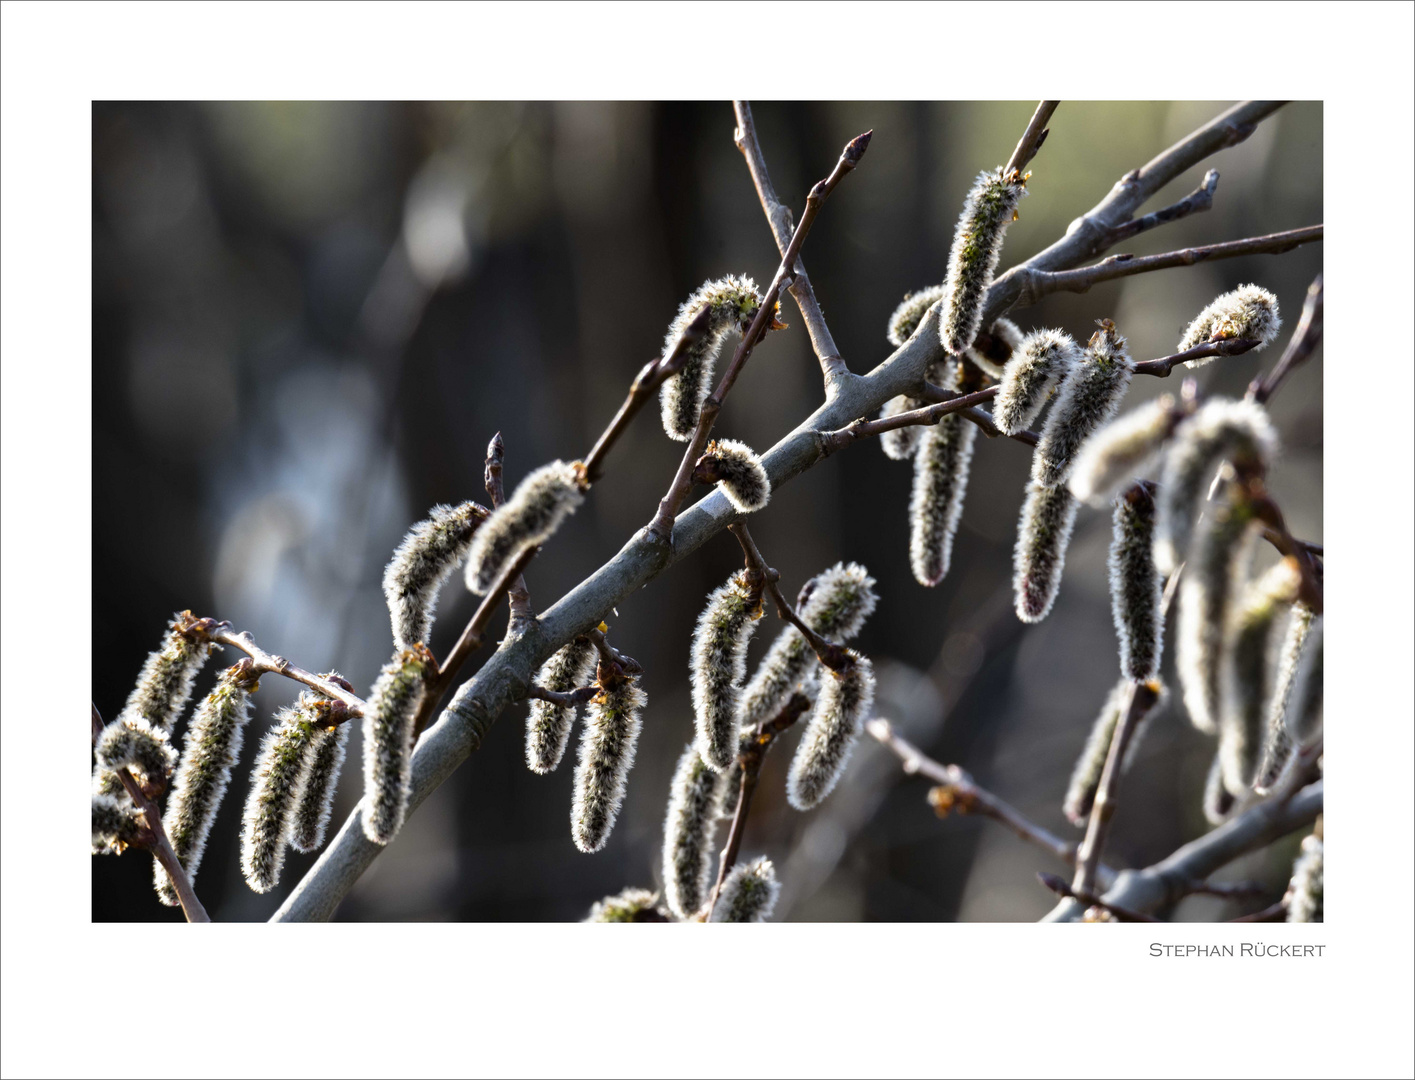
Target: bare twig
(1031, 140)
(1305, 339)
(1310, 585)
(1201, 198)
(518, 596)
(662, 524)
(829, 653)
(1140, 700)
(577, 696)
(1272, 913)
(263, 663)
(1036, 284)
(610, 655)
(1059, 886)
(778, 216)
(1165, 364)
(161, 846)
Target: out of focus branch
(1032, 138)
(1059, 886)
(518, 597)
(1305, 339)
(1201, 198)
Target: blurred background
(310, 318)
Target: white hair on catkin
(1043, 534)
(114, 824)
(1244, 675)
(989, 208)
(845, 699)
(749, 893)
(694, 806)
(281, 768)
(941, 466)
(1086, 775)
(910, 313)
(607, 747)
(733, 302)
(1295, 712)
(631, 905)
(547, 723)
(1221, 428)
(132, 743)
(538, 506)
(740, 474)
(1040, 361)
(1246, 312)
(1002, 340)
(1206, 593)
(1088, 397)
(1122, 451)
(1304, 894)
(165, 682)
(211, 748)
(422, 563)
(718, 666)
(835, 605)
(315, 802)
(1136, 588)
(389, 715)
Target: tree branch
(263, 663)
(1059, 886)
(518, 597)
(1032, 139)
(1305, 339)
(1200, 199)
(827, 652)
(578, 696)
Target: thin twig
(1032, 139)
(610, 655)
(1198, 200)
(828, 652)
(1272, 913)
(1305, 339)
(1059, 886)
(778, 216)
(263, 663)
(160, 845)
(578, 696)
(1310, 580)
(518, 596)
(662, 524)
(1165, 364)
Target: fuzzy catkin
(1004, 338)
(749, 893)
(741, 475)
(1206, 596)
(315, 801)
(114, 826)
(1295, 708)
(840, 600)
(1042, 360)
(1088, 397)
(130, 742)
(548, 724)
(281, 768)
(694, 806)
(389, 714)
(212, 747)
(1218, 801)
(845, 700)
(544, 499)
(631, 905)
(734, 302)
(1086, 776)
(989, 208)
(1244, 676)
(718, 665)
(1221, 428)
(1304, 894)
(607, 748)
(1136, 588)
(425, 559)
(1043, 534)
(1122, 451)
(165, 682)
(910, 313)
(941, 466)
(1246, 312)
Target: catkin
(548, 724)
(718, 665)
(694, 805)
(749, 893)
(389, 713)
(1088, 397)
(1304, 894)
(281, 768)
(1136, 588)
(114, 826)
(834, 604)
(733, 302)
(165, 682)
(130, 742)
(845, 700)
(1039, 362)
(315, 801)
(631, 905)
(1244, 676)
(1221, 428)
(425, 559)
(941, 466)
(910, 313)
(1122, 451)
(607, 748)
(1043, 533)
(739, 473)
(1295, 709)
(543, 500)
(1003, 339)
(990, 207)
(1206, 595)
(212, 747)
(1246, 312)
(1086, 776)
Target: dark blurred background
(310, 318)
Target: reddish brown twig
(1032, 138)
(829, 653)
(1305, 339)
(1200, 199)
(518, 596)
